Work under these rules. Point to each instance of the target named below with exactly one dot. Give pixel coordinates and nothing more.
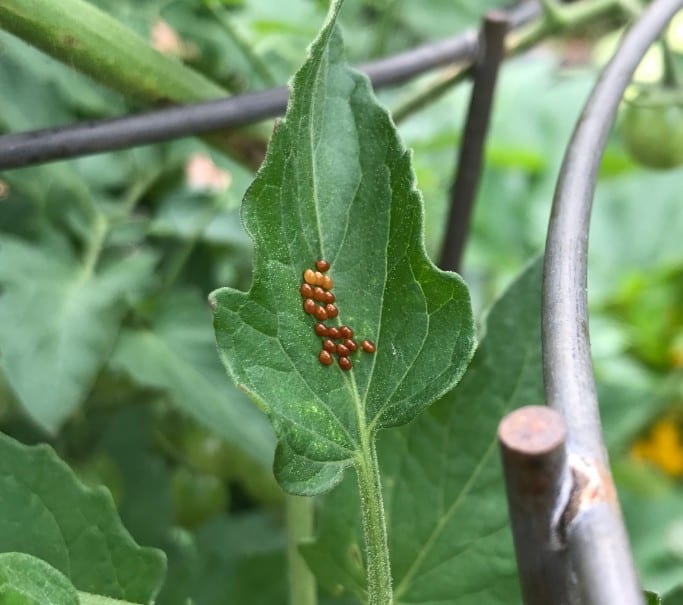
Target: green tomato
(651, 127)
(196, 497)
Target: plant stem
(670, 76)
(378, 564)
(302, 586)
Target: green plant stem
(378, 564)
(259, 66)
(554, 20)
(670, 76)
(80, 35)
(302, 586)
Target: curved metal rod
(27, 148)
(597, 540)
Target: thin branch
(24, 149)
(464, 190)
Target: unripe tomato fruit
(651, 127)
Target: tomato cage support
(578, 545)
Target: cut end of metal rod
(534, 430)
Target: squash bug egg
(309, 276)
(351, 345)
(346, 332)
(329, 346)
(319, 294)
(329, 298)
(333, 333)
(343, 351)
(306, 290)
(326, 282)
(325, 358)
(332, 311)
(319, 312)
(320, 329)
(319, 278)
(310, 306)
(322, 265)
(345, 363)
(368, 346)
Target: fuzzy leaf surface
(338, 184)
(46, 512)
(25, 580)
(443, 486)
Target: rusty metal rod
(602, 561)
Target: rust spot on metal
(592, 484)
(534, 430)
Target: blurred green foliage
(152, 412)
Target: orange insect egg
(332, 311)
(319, 278)
(329, 346)
(343, 351)
(351, 345)
(326, 282)
(368, 346)
(310, 306)
(319, 294)
(329, 298)
(325, 358)
(322, 265)
(309, 277)
(306, 290)
(346, 332)
(333, 333)
(320, 312)
(345, 363)
(320, 329)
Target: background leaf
(46, 512)
(337, 184)
(58, 322)
(443, 485)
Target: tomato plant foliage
(337, 184)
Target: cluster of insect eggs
(319, 300)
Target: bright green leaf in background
(58, 322)
(443, 484)
(46, 512)
(337, 184)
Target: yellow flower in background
(663, 447)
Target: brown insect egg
(309, 277)
(310, 306)
(319, 312)
(343, 351)
(332, 311)
(306, 290)
(319, 294)
(329, 346)
(319, 278)
(346, 332)
(345, 363)
(322, 265)
(320, 329)
(351, 345)
(333, 333)
(329, 298)
(368, 346)
(327, 282)
(325, 358)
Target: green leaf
(25, 580)
(58, 322)
(177, 353)
(337, 184)
(652, 598)
(443, 485)
(46, 512)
